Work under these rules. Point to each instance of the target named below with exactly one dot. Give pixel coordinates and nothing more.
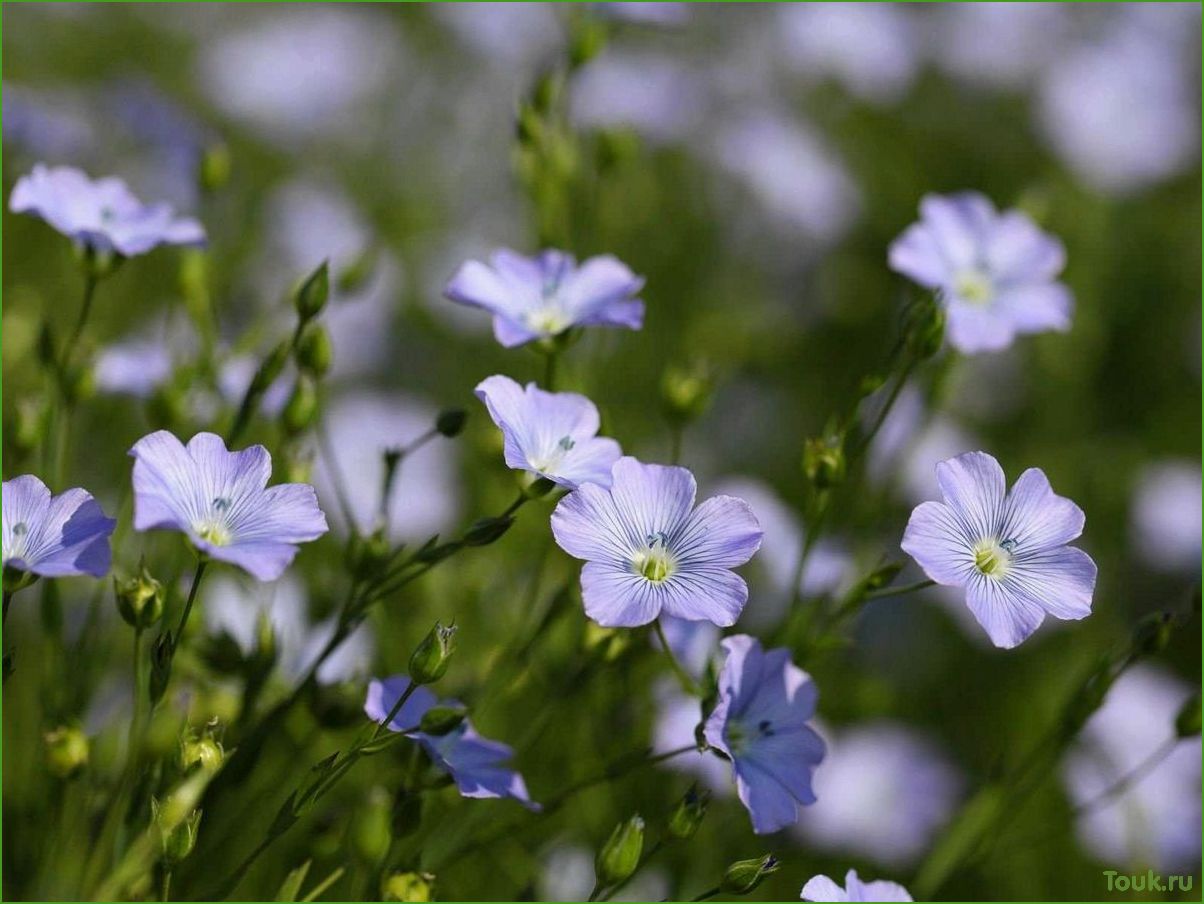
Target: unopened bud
(925, 328)
(66, 750)
(412, 887)
(824, 461)
(587, 41)
(310, 297)
(686, 392)
(430, 659)
(302, 407)
(619, 857)
(357, 274)
(449, 423)
(687, 815)
(745, 875)
(179, 840)
(204, 751)
(1153, 633)
(882, 575)
(441, 720)
(487, 530)
(1187, 723)
(139, 599)
(214, 170)
(314, 351)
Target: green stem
(135, 736)
(192, 592)
(688, 684)
(904, 374)
(90, 282)
(337, 480)
(8, 598)
(551, 359)
(165, 888)
(707, 895)
(884, 592)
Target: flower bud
(412, 887)
(269, 369)
(441, 720)
(160, 673)
(586, 42)
(924, 331)
(449, 423)
(687, 815)
(407, 814)
(745, 875)
(66, 750)
(214, 170)
(179, 840)
(302, 407)
(882, 575)
(1153, 633)
(686, 392)
(356, 275)
(1187, 723)
(823, 461)
(621, 854)
(367, 555)
(203, 750)
(139, 599)
(615, 147)
(314, 351)
(310, 297)
(484, 531)
(430, 659)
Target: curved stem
(707, 895)
(551, 358)
(1131, 778)
(688, 684)
(77, 331)
(192, 592)
(884, 592)
(880, 418)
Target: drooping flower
(543, 296)
(54, 536)
(884, 792)
(760, 722)
(1008, 550)
(221, 501)
(995, 273)
(550, 434)
(474, 763)
(648, 550)
(103, 215)
(821, 888)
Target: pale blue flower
(648, 550)
(102, 215)
(760, 721)
(821, 888)
(54, 536)
(474, 763)
(994, 273)
(543, 296)
(1008, 550)
(221, 501)
(549, 434)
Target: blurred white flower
(883, 792)
(658, 97)
(1157, 820)
(1166, 515)
(872, 49)
(362, 425)
(1124, 113)
(999, 44)
(301, 72)
(514, 34)
(791, 172)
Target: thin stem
(401, 701)
(811, 530)
(884, 592)
(77, 331)
(551, 359)
(165, 888)
(192, 592)
(515, 506)
(880, 417)
(1131, 778)
(337, 479)
(688, 684)
(707, 895)
(8, 598)
(139, 684)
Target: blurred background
(753, 162)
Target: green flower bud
(924, 331)
(882, 575)
(269, 369)
(686, 392)
(1153, 633)
(587, 41)
(357, 274)
(178, 840)
(310, 297)
(411, 887)
(441, 720)
(824, 461)
(487, 530)
(66, 750)
(449, 423)
(745, 875)
(214, 170)
(367, 555)
(687, 815)
(615, 147)
(314, 351)
(203, 750)
(301, 410)
(139, 599)
(430, 659)
(619, 857)
(1187, 723)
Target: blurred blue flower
(994, 273)
(550, 434)
(473, 762)
(221, 501)
(648, 550)
(103, 214)
(543, 296)
(760, 723)
(1166, 515)
(821, 888)
(1008, 550)
(54, 536)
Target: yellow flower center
(992, 558)
(974, 286)
(215, 528)
(654, 561)
(548, 320)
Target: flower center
(549, 320)
(654, 561)
(993, 558)
(739, 736)
(552, 460)
(974, 286)
(215, 528)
